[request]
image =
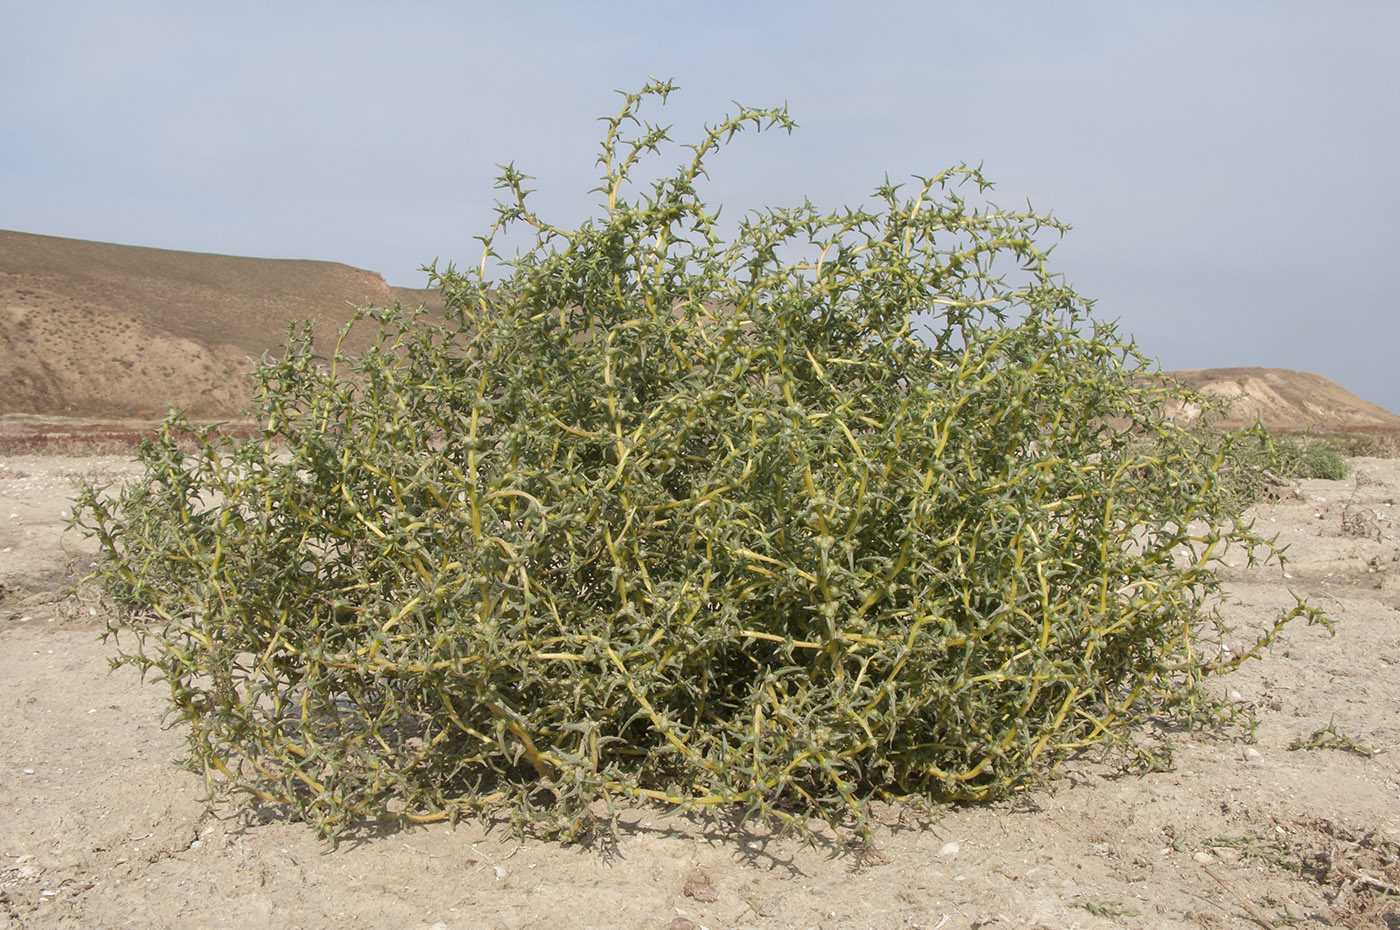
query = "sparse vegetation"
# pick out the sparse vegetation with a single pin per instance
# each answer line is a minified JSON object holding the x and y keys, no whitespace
{"x":1109,"y":909}
{"x":1329,"y":737}
{"x":1259,"y":459}
{"x":827,"y":511}
{"x":1356,"y":870}
{"x":1309,"y":457}
{"x":1358,"y":443}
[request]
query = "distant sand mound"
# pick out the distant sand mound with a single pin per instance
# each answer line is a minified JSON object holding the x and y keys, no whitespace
{"x":1284,"y":400}
{"x":93,"y":329}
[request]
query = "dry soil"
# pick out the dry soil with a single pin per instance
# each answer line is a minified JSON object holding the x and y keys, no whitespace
{"x":99,"y":829}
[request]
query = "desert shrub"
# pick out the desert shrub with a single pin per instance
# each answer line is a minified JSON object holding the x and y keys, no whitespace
{"x":825,"y":510}
{"x":1316,"y":460}
{"x":1298,"y":455}
{"x":1369,"y":443}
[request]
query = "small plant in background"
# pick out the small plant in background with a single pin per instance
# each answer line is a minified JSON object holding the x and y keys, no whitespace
{"x":1259,"y":462}
{"x":1305,"y":456}
{"x":1356,"y":443}
{"x":1329,"y":737}
{"x":825,"y":511}
{"x":1109,"y":909}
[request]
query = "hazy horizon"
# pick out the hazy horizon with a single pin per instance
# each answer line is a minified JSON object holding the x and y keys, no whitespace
{"x":1228,"y":168}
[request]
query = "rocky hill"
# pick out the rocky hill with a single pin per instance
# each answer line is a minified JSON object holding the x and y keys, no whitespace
{"x":1283,"y":400}
{"x":95,"y":330}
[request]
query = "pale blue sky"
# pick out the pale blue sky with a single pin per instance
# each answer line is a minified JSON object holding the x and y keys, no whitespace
{"x":1230,"y":168}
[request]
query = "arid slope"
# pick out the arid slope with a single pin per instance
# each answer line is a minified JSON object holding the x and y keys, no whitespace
{"x":1285,"y":400}
{"x":90,"y":329}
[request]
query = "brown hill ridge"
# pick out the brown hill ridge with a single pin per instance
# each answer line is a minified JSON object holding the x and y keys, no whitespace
{"x":92,"y":329}
{"x":1283,"y":400}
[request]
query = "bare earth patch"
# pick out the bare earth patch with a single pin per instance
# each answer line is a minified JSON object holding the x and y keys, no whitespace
{"x":99,"y":829}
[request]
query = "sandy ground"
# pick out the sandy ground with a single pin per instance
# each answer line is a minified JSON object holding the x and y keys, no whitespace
{"x":99,"y":829}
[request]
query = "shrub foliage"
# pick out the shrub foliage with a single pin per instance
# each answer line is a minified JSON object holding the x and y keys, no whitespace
{"x":841,"y":506}
{"x":1308,"y":457}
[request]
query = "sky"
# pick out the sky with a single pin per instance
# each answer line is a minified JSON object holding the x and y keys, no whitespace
{"x":1229,"y":167}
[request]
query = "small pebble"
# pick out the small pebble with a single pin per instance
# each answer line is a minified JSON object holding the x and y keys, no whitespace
{"x":949,"y":849}
{"x":1251,"y":754}
{"x":1204,"y":858}
{"x":29,"y":771}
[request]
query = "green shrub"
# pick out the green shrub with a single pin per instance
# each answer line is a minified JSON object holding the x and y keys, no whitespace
{"x":1289,"y":455}
{"x":826,"y":512}
{"x":1318,"y":461}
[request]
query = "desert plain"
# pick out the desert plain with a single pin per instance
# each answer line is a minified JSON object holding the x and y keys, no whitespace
{"x":98,"y":827}
{"x":1292,"y":821}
